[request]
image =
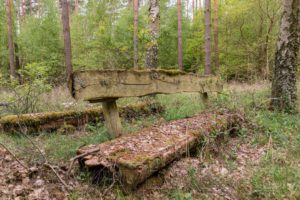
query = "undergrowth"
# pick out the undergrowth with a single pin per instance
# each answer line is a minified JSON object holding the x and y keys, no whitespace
{"x":276,"y":177}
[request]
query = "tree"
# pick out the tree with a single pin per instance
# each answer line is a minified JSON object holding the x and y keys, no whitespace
{"x":152,"y":46}
{"x":67,"y":37}
{"x":284,"y":89}
{"x":76,"y":7}
{"x":12,"y":65}
{"x":135,"y":34}
{"x":216,"y":36}
{"x":207,"y":35}
{"x":193,"y":9}
{"x":179,"y":35}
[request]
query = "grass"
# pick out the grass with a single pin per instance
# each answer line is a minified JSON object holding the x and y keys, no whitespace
{"x":277,"y":176}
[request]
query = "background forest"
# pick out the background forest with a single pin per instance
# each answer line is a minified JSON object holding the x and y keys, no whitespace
{"x":102,"y":32}
{"x":43,"y":124}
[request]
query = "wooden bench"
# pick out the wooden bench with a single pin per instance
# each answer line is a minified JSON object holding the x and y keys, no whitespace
{"x":107,"y":86}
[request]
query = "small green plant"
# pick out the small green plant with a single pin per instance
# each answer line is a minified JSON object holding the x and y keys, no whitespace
{"x":25,"y":97}
{"x":180,"y":195}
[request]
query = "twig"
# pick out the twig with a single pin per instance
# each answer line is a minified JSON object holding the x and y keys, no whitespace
{"x":57,"y":175}
{"x":46,"y":163}
{"x":80,"y":156}
{"x":15,"y":157}
{"x":107,"y":190}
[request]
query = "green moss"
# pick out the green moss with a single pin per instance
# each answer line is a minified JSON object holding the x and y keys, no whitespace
{"x":34,"y":121}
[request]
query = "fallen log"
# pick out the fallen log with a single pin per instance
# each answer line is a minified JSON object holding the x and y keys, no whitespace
{"x":51,"y":121}
{"x":133,"y":158}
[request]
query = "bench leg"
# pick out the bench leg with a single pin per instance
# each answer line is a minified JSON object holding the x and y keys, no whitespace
{"x":204,"y":98}
{"x":112,"y":118}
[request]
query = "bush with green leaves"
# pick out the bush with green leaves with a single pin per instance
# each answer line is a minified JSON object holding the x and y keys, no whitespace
{"x":25,"y":97}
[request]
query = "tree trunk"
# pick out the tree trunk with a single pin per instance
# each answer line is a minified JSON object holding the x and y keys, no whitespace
{"x":76,"y":7}
{"x":179,"y":16}
{"x":39,"y":8}
{"x":193,"y":8}
{"x":216,"y":36}
{"x":30,"y":7}
{"x":23,"y":5}
{"x":152,"y":46}
{"x":187,"y":8}
{"x":284,"y":89}
{"x":135,"y":35}
{"x":12,"y":66}
{"x":67,"y":37}
{"x":129,"y":3}
{"x":207,"y":44}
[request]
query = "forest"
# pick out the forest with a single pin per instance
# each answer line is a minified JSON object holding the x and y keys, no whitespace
{"x":149,"y":99}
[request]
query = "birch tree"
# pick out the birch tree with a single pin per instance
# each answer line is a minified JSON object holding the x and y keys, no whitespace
{"x":284,"y":89}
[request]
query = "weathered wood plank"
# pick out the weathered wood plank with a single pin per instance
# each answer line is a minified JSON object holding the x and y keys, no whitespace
{"x":100,"y":85}
{"x":135,"y":157}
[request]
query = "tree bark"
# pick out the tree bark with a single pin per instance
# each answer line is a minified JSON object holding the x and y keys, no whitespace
{"x":207,"y":44}
{"x":76,"y":7}
{"x":67,"y":37}
{"x":30,"y":7}
{"x":193,"y":8}
{"x":39,"y":7}
{"x":179,"y":16}
{"x":135,"y":34}
{"x":12,"y":66}
{"x":284,"y":89}
{"x":187,"y":8}
{"x":23,"y":5}
{"x":129,"y":4}
{"x":216,"y":36}
{"x":152,"y":46}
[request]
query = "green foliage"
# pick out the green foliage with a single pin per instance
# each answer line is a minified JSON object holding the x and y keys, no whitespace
{"x":179,"y":195}
{"x":40,"y":39}
{"x":25,"y":97}
{"x":180,"y":105}
{"x":102,"y":37}
{"x":3,"y":40}
{"x":278,"y":176}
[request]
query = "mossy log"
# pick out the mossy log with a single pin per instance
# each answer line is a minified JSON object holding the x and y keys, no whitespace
{"x":51,"y":121}
{"x":103,"y":85}
{"x":133,"y":158}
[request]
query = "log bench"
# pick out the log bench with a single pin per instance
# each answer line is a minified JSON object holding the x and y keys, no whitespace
{"x":131,"y":159}
{"x":107,"y":86}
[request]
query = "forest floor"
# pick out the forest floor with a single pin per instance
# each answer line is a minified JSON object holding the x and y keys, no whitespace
{"x":261,"y":162}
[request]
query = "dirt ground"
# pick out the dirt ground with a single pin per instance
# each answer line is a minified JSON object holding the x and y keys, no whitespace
{"x":216,"y":172}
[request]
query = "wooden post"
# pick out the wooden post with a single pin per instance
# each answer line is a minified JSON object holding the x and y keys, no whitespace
{"x":112,"y":118}
{"x":204,"y":98}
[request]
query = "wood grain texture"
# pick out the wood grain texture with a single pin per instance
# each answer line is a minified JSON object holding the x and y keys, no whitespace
{"x":135,"y":157}
{"x":102,"y":85}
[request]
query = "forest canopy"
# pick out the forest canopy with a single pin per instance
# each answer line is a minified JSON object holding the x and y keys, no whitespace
{"x":102,"y":31}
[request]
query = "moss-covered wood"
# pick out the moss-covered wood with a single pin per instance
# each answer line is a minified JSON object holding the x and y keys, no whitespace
{"x":100,"y":85}
{"x":133,"y":158}
{"x":50,"y":121}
